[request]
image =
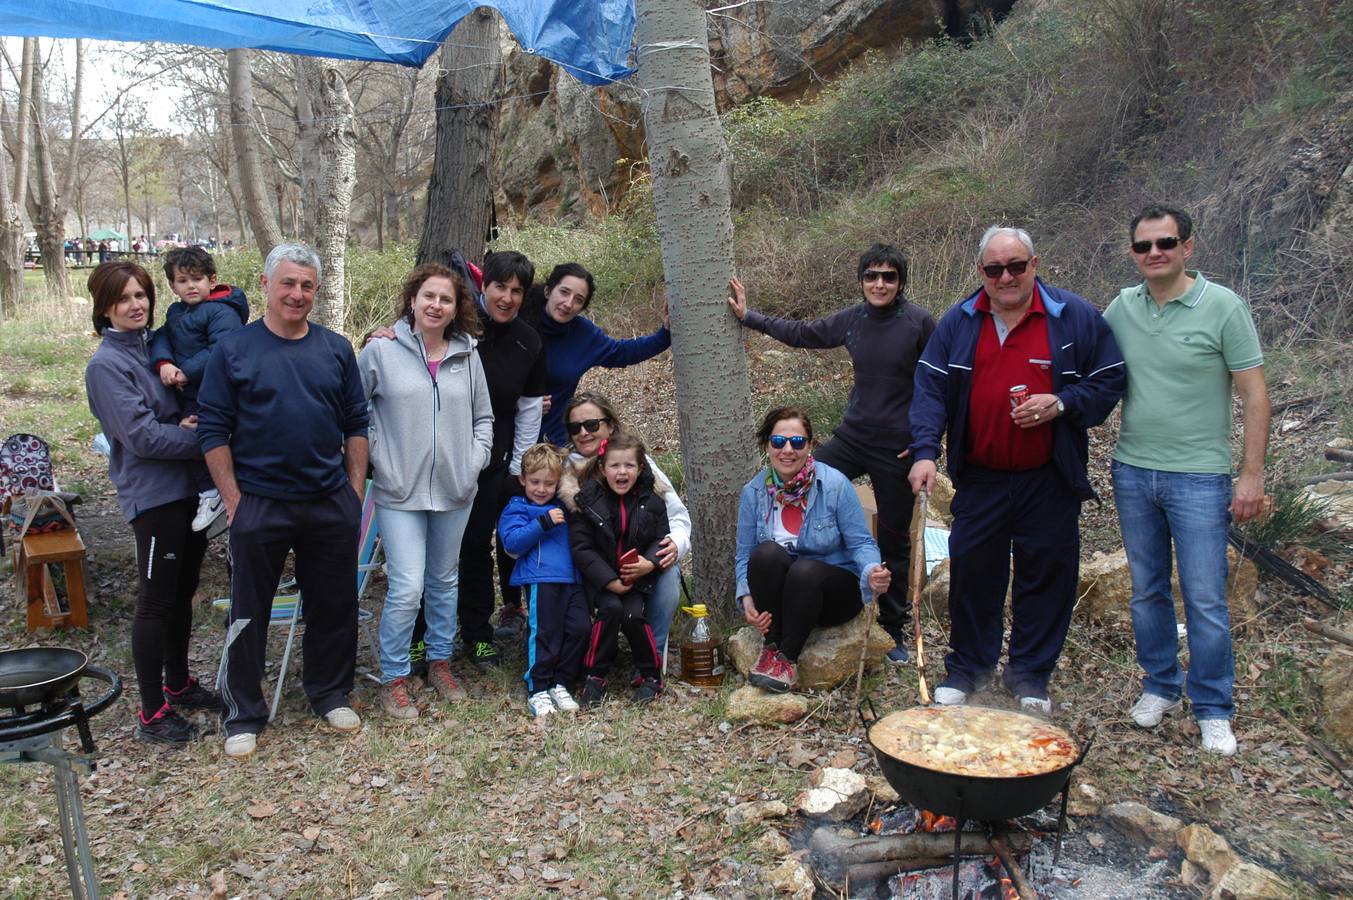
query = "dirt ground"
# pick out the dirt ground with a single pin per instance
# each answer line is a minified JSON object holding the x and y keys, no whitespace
{"x":477,"y":799}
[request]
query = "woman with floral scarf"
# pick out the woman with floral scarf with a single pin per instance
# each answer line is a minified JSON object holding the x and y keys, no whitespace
{"x":805,"y":558}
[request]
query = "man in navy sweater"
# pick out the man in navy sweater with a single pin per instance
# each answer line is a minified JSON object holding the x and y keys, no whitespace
{"x":1018,"y":467}
{"x":884,"y":336}
{"x":283,"y":424}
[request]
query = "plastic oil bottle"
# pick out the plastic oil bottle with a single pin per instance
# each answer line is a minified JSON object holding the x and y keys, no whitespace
{"x":702,"y":662}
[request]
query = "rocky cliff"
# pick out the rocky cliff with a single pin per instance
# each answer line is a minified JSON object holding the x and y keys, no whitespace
{"x":568,"y":150}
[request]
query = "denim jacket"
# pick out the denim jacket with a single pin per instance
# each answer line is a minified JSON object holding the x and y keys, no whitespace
{"x":834,"y":530}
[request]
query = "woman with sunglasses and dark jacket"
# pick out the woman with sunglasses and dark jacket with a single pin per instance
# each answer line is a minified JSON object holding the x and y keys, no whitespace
{"x":805,"y":558}
{"x":590,"y":419}
{"x":884,"y":336}
{"x":573,"y":344}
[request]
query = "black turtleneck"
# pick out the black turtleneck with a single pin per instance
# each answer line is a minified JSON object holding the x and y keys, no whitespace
{"x":884,"y":346}
{"x":514,"y":367}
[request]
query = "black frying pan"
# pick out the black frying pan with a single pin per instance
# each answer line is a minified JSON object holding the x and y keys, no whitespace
{"x":37,"y":675}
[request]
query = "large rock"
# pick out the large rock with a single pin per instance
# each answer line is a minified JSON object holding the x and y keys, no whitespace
{"x":935,"y":594}
{"x":1142,"y":824}
{"x":1337,"y":498}
{"x":752,"y":704}
{"x":937,"y":506}
{"x":836,"y":794}
{"x":1105,"y":587}
{"x":791,"y":878}
{"x":1246,"y":881}
{"x":1205,"y":848}
{"x":829,"y":658}
{"x":755,"y":811}
{"x":1336,"y":690}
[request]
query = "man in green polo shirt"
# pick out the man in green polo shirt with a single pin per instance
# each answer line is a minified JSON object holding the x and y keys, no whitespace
{"x":1186,"y":340}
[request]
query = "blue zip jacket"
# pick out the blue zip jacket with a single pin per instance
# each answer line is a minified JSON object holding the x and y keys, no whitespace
{"x":833,"y":531}
{"x":572,"y":349}
{"x":540,"y":547}
{"x":1087,"y":374}
{"x":190,"y":331}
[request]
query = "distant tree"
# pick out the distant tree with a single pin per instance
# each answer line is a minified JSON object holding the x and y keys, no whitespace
{"x":263,"y":224}
{"x":14,"y":194}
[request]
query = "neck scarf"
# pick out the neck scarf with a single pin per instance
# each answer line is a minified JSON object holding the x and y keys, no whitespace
{"x":793,"y":492}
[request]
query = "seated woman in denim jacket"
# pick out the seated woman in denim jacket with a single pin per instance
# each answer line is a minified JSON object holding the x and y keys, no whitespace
{"x":805,"y":557}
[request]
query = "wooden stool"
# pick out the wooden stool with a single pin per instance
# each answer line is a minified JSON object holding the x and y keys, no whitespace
{"x":35,"y":581}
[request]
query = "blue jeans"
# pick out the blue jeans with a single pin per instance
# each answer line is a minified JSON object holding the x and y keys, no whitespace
{"x":422,"y":554}
{"x":662,"y":605}
{"x":1156,"y":509}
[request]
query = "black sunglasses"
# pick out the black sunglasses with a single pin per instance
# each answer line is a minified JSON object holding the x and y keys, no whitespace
{"x":590,"y":424}
{"x":887,"y":276}
{"x":778,"y":441}
{"x":1163,"y":244}
{"x":1016,"y":268}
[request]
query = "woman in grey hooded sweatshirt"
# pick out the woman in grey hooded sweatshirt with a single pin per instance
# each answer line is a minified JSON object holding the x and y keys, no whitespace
{"x":431,"y":434}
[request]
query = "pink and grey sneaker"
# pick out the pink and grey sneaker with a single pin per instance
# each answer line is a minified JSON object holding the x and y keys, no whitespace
{"x":165,"y":727}
{"x":193,"y":696}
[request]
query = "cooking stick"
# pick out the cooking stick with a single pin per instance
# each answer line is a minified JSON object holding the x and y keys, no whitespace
{"x":864,"y":654}
{"x":918,"y":517}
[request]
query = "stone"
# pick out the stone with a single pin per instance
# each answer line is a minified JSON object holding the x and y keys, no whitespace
{"x":752,"y":704}
{"x":1242,"y":583}
{"x":1142,"y":824}
{"x":1336,"y":692}
{"x":935,"y":594}
{"x":836,"y":794}
{"x":884,"y":793}
{"x":829,"y":658}
{"x":790,"y":878}
{"x":937,"y":505}
{"x":1085,"y":800}
{"x":1193,"y":875}
{"x":1205,"y":848}
{"x":1337,"y":498}
{"x":1247,"y":881}
{"x":1105,"y":587}
{"x":755,"y":811}
{"x":773,"y":843}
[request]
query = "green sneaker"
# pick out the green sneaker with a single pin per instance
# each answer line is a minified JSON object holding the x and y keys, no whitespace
{"x":486,"y":655}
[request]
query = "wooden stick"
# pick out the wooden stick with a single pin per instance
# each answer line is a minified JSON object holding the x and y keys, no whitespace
{"x":1338,"y":455}
{"x":864,"y":653}
{"x":1328,"y":631}
{"x":1007,"y":855}
{"x":918,"y":517}
{"x":1332,"y":476}
{"x":829,"y":847}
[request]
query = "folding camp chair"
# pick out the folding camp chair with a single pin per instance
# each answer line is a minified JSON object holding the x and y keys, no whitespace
{"x":288,"y":609}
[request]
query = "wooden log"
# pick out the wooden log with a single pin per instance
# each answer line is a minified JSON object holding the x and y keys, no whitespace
{"x":1337,"y":454}
{"x":1007,"y":856}
{"x":1329,"y":476}
{"x":884,"y":869}
{"x":829,"y":847}
{"x":1328,"y":631}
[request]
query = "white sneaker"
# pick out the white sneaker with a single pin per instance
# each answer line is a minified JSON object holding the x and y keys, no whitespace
{"x":1041,"y":705}
{"x":238,"y":746}
{"x":343,"y":719}
{"x":210,"y":507}
{"x":947,"y":696}
{"x":563,"y":699}
{"x":1217,"y":736}
{"x":540,"y":704}
{"x":1151,"y":708}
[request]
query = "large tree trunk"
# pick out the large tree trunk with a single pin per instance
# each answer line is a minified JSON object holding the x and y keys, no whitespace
{"x":308,"y":71}
{"x":267,"y":234}
{"x":336,"y":148}
{"x":45,"y":208}
{"x":12,"y":201}
{"x":460,"y":192}
{"x":690,"y":161}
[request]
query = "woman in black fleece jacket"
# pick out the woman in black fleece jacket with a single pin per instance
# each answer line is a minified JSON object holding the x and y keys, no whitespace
{"x":619,"y":512}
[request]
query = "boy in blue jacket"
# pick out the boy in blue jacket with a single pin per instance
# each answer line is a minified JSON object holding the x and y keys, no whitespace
{"x":204,"y":313}
{"x":533,"y":531}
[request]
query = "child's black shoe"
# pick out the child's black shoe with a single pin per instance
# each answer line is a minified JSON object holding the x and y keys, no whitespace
{"x":646,"y":691}
{"x":594,"y":691}
{"x":165,"y":727}
{"x":193,"y":696}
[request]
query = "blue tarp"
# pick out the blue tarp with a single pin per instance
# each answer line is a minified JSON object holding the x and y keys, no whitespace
{"x":591,"y":40}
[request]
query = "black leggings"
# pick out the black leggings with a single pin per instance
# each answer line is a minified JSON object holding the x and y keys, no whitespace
{"x":800,"y":595}
{"x":168,"y":562}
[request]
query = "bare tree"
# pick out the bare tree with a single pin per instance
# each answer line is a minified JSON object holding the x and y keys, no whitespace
{"x":264,"y":225}
{"x":690,"y":163}
{"x":48,"y":204}
{"x":336,"y":149}
{"x":13,"y":199}
{"x":460,"y":193}
{"x":382,"y":142}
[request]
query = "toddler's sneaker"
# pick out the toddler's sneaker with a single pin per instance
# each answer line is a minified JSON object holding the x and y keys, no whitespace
{"x":594,"y":691}
{"x":210,"y":507}
{"x":563,"y":700}
{"x":646,"y":691}
{"x":540,"y":704}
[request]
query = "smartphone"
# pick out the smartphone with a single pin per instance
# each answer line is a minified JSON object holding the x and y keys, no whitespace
{"x":629,"y":556}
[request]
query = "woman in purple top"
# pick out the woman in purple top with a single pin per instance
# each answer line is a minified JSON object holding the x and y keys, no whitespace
{"x":156,"y":467}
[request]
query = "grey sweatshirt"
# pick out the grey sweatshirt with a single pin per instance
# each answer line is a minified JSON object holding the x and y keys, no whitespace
{"x":429,"y":437}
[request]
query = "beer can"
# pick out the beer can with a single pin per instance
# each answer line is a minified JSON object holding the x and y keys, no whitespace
{"x":1018,"y":394}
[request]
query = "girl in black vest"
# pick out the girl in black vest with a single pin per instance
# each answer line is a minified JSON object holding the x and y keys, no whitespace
{"x":616,"y":536}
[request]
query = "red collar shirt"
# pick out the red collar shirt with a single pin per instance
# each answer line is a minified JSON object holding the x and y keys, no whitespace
{"x":1003,"y":360}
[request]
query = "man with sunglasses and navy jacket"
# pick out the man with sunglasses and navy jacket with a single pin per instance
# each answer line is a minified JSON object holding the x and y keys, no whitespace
{"x":1189,"y":340}
{"x":884,"y":336}
{"x":1016,"y":374}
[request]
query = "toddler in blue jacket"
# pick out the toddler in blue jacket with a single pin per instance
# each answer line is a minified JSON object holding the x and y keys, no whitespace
{"x":533,"y":530}
{"x":204,"y":312}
